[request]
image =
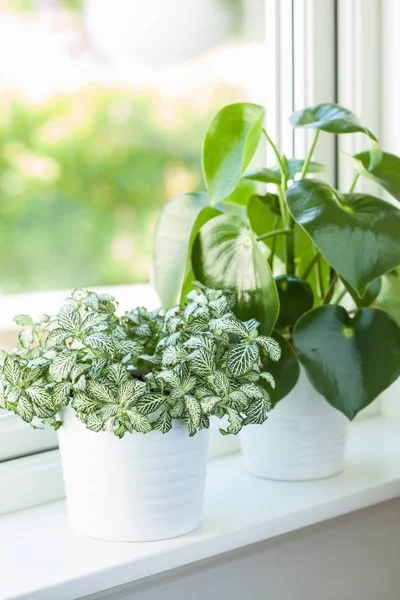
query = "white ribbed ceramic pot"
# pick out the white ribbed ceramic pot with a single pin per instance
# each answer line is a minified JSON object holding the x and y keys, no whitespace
{"x":140,"y":488}
{"x":303,"y":438}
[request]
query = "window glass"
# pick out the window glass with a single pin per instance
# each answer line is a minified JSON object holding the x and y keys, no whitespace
{"x":103,"y":108}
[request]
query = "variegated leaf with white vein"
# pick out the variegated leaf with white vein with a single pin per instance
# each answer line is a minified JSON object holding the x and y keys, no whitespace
{"x":194,"y":410}
{"x":140,"y":423}
{"x":12,"y":371}
{"x":69,"y":319}
{"x":100,"y":391}
{"x":149,"y":403}
{"x":269,"y":378}
{"x":163,"y":423}
{"x":100,"y":341}
{"x":208,"y":403}
{"x":241,"y":358}
{"x":62,"y":365}
{"x":257,"y":411}
{"x":231,"y":326}
{"x":270,"y":346}
{"x":235,"y":422}
{"x":25,"y":408}
{"x":61,"y":392}
{"x":57,"y":337}
{"x":202,"y":362}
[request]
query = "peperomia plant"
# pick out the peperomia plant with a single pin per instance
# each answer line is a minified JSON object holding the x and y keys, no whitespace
{"x":292,"y":251}
{"x":141,"y":371}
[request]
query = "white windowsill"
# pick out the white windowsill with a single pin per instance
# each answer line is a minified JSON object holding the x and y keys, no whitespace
{"x":58,"y":563}
{"x":49,"y":302}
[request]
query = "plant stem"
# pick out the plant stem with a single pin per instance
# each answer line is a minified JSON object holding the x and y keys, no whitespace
{"x":290,"y":263}
{"x":276,"y":152}
{"x":341,"y":295}
{"x":273,"y":247}
{"x":320,"y":278}
{"x":287,"y":220}
{"x":306,"y":163}
{"x":331,"y":289}
{"x":310,"y":265}
{"x":282,"y":187}
{"x":264,"y":236}
{"x":353,"y":185}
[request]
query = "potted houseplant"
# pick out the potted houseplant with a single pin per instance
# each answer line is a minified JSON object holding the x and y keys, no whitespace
{"x":291,"y":252}
{"x":103,"y":381}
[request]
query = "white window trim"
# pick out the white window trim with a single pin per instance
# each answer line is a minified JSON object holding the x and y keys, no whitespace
{"x":18,"y":439}
{"x":300,"y":39}
{"x":359,"y":77}
{"x":301,"y":70}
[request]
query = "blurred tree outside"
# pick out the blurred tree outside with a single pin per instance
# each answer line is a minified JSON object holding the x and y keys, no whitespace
{"x":86,"y":166}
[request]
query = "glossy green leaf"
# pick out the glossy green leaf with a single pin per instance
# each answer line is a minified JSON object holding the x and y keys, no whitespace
{"x":179,"y":221}
{"x":389,"y":297}
{"x":371,"y":293}
{"x":273,"y":174}
{"x":350,"y":361}
{"x":295,"y":298}
{"x":386,"y":174}
{"x":336,"y":119}
{"x":226,"y":255}
{"x":264,"y":175}
{"x":262,"y":214}
{"x":331,"y":118}
{"x":358,"y":234}
{"x":241,"y":194}
{"x":229,"y":146}
{"x":295,"y":166}
{"x":285,"y":371}
{"x":271,"y":202}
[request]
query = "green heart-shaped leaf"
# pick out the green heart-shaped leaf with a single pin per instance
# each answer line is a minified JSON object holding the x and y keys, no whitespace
{"x":264,"y":175}
{"x":295,"y":298}
{"x":273,"y":174}
{"x":295,"y":166}
{"x":285,"y":371}
{"x":386,"y":174}
{"x":358,"y":234}
{"x":350,"y":361}
{"x":371,"y":293}
{"x":226,"y":255}
{"x":336,"y":119}
{"x":331,"y":118}
{"x":179,"y":222}
{"x":389,"y":297}
{"x":229,"y":146}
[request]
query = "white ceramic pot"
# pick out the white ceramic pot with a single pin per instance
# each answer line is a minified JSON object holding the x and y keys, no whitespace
{"x":391,"y":400}
{"x":140,"y":488}
{"x":303,"y":438}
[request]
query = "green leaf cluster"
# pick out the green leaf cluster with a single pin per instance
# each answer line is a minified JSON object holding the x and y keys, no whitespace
{"x":292,"y":249}
{"x":140,"y":371}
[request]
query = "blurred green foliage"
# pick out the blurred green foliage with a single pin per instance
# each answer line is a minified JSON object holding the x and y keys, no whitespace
{"x":83,"y":178}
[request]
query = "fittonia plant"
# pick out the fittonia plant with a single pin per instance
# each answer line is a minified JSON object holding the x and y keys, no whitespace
{"x":141,"y":371}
